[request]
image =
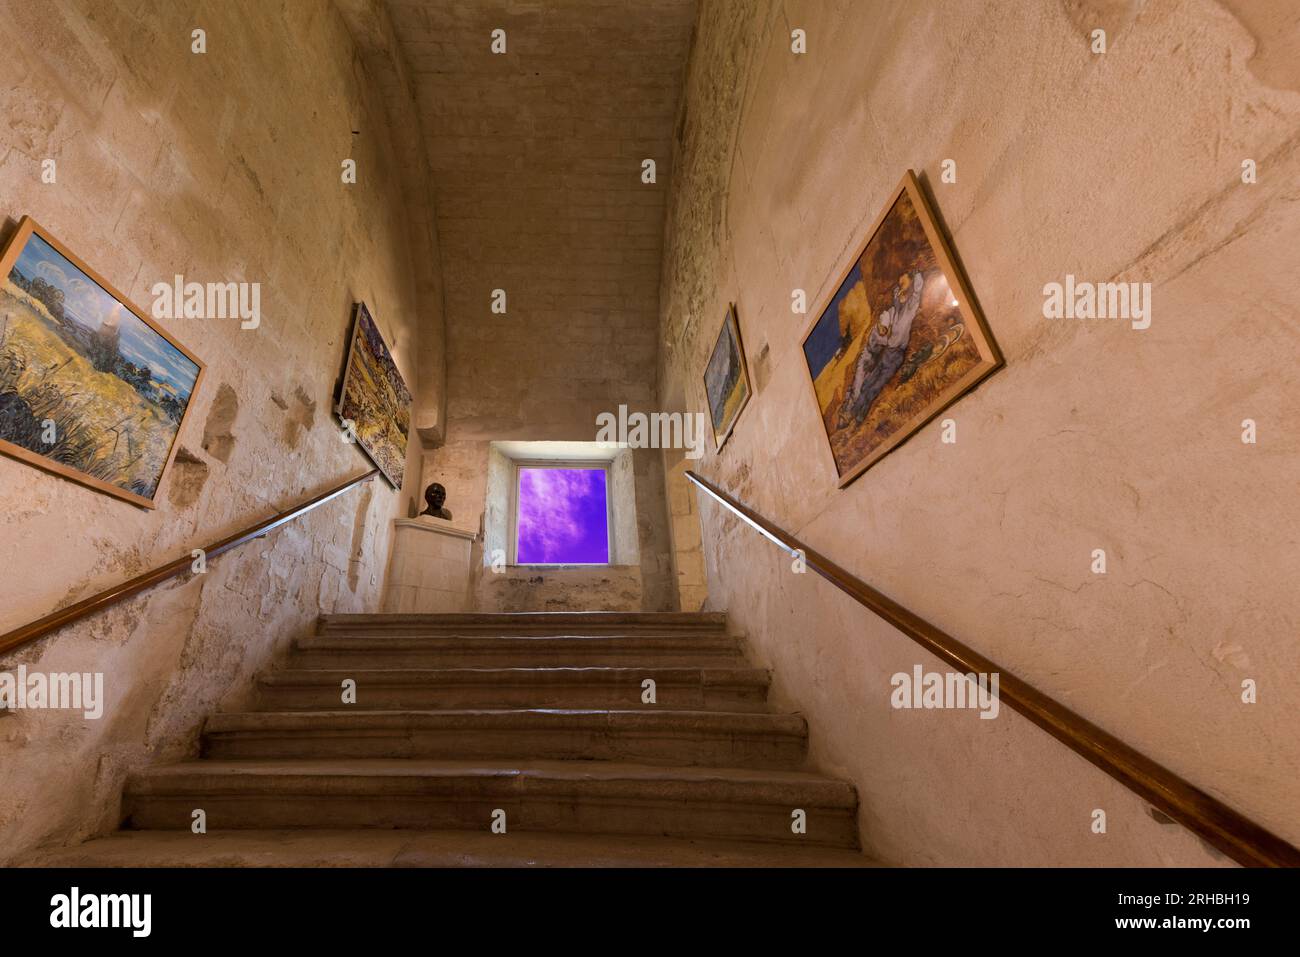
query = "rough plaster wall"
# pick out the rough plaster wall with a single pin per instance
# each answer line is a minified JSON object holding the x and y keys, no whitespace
{"x":622,"y":495}
{"x":654,"y":537}
{"x":1121,"y":166}
{"x":372,"y":30}
{"x":536,"y":157}
{"x":495,"y":527}
{"x":688,"y":545}
{"x":561,"y":588}
{"x":221,"y":167}
{"x":467,"y":469}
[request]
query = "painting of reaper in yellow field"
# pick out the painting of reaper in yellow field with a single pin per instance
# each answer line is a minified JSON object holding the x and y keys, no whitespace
{"x":900,"y":339}
{"x":374,"y":403}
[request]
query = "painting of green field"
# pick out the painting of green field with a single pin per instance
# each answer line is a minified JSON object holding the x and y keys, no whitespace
{"x":375,"y":403}
{"x":88,"y":388}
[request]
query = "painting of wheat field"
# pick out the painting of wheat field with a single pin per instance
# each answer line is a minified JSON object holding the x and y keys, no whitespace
{"x":375,"y":403}
{"x":900,"y":339}
{"x":90,"y":388}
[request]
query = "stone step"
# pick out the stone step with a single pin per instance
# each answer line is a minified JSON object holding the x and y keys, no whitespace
{"x":373,"y":847}
{"x":548,"y":796}
{"x":676,"y":688}
{"x":466,"y":651}
{"x":701,"y":738}
{"x":508,"y":624}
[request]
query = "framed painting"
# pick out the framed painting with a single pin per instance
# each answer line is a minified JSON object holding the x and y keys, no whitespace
{"x":374,"y":398}
{"x":726,"y":379}
{"x":899,"y":340}
{"x":91,"y":388}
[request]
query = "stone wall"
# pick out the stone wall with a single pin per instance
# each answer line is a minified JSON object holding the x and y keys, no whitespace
{"x":560,"y":588}
{"x":499,"y":587}
{"x":428,"y":568}
{"x":537,"y":159}
{"x":221,"y":166}
{"x":1127,"y":166}
{"x":688,"y":544}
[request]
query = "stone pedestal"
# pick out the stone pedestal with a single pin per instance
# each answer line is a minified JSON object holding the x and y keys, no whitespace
{"x":429,"y":567}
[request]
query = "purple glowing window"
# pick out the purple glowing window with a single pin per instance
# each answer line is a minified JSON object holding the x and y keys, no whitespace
{"x":562,"y":516}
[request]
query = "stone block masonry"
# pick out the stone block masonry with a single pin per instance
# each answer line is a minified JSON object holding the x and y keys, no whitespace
{"x":223,"y":166}
{"x":536,"y":162}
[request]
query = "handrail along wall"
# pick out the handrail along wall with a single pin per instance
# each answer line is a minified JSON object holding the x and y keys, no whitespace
{"x":105,"y":599}
{"x":1219,"y":825}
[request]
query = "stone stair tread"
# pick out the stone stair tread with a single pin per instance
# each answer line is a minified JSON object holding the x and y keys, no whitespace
{"x":549,"y":619}
{"x":454,"y":651}
{"x":371,"y":642}
{"x":552,"y":796}
{"x":519,"y":623}
{"x":729,"y":721}
{"x":741,"y":688}
{"x":155,"y":780}
{"x":740,"y":675}
{"x":542,"y":716}
{"x":305,"y":847}
{"x":659,"y":735}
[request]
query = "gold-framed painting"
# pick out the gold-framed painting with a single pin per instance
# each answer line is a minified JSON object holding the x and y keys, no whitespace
{"x":91,"y":388}
{"x":374,"y":403}
{"x":899,"y":339}
{"x":726,"y":379}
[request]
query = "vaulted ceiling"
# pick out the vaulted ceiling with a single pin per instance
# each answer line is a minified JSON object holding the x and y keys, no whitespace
{"x":535,"y":158}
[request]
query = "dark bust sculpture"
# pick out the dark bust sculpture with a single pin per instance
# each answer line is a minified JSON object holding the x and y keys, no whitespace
{"x":434,"y":496}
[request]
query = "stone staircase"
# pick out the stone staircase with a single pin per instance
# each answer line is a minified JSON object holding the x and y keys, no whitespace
{"x":460,"y":717}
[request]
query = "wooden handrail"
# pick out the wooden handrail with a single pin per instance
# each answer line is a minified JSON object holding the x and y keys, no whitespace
{"x":89,"y":606}
{"x":1219,"y":825}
